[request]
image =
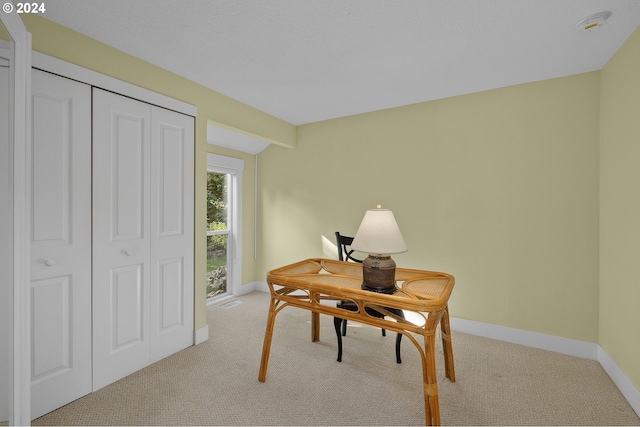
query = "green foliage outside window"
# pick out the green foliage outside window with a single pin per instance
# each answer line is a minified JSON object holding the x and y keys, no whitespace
{"x":216,"y":195}
{"x":215,"y":243}
{"x":216,"y":210}
{"x":217,"y":214}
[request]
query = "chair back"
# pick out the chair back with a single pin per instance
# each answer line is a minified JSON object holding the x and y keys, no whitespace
{"x":344,"y":248}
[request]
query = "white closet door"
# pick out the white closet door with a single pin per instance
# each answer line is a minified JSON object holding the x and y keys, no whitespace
{"x":172,"y":232}
{"x":143,"y":235}
{"x":121,"y":236}
{"x":61,"y":242}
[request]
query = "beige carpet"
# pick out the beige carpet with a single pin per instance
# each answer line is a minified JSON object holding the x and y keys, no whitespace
{"x":216,"y":383}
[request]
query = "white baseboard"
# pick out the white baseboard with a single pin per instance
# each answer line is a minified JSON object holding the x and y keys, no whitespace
{"x":260,"y":286}
{"x":201,"y":335}
{"x":552,"y":343}
{"x":568,"y":346}
{"x":618,"y":377}
{"x":237,"y":291}
{"x":252,"y":286}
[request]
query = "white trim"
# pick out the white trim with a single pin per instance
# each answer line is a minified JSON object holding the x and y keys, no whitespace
{"x":93,"y":78}
{"x":23,"y":58}
{"x":261,"y":287}
{"x":234,"y":167}
{"x":245,"y":288}
{"x":219,"y":300}
{"x":252,"y":286}
{"x":20,"y":406}
{"x":201,"y":335}
{"x":560,"y":345}
{"x":225,"y":162}
{"x":618,"y":377}
{"x":531,"y":339}
{"x":255,"y":209}
{"x":236,"y":139}
{"x":217,"y":232}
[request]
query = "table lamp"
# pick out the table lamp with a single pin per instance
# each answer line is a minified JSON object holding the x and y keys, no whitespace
{"x":379,"y":236}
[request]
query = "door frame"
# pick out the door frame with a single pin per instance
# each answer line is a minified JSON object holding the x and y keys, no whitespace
{"x":20,"y":405}
{"x":93,"y":78}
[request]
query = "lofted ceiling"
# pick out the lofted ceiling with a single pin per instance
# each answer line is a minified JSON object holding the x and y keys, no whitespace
{"x":307,"y":61}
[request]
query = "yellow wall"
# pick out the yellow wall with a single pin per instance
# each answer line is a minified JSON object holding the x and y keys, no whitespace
{"x":60,"y":42}
{"x":620,"y":208}
{"x":499,"y":188}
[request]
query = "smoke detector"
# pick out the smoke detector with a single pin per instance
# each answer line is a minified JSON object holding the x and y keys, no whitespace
{"x":593,"y":22}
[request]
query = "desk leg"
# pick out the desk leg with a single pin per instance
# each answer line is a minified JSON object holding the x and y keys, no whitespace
{"x":266,"y":346}
{"x":445,"y":327}
{"x":430,"y":384}
{"x":315,"y":326}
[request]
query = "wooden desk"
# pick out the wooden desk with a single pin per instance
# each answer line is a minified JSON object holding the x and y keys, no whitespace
{"x":306,"y":283}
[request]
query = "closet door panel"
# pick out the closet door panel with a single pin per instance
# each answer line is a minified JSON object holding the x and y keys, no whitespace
{"x":170,"y":289}
{"x":51,"y":300}
{"x":121,"y":236}
{"x":127,"y":174}
{"x":60,"y":241}
{"x":172,"y":232}
{"x":126,"y":321}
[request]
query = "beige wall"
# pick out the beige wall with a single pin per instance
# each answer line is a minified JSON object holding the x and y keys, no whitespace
{"x":620,"y":208}
{"x":62,"y":43}
{"x":499,"y":188}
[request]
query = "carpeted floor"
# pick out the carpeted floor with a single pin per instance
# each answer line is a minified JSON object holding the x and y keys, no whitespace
{"x":216,"y":383}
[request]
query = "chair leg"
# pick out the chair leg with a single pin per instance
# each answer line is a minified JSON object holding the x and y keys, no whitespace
{"x":341,"y":330}
{"x":398,"y":340}
{"x":337,"y":323}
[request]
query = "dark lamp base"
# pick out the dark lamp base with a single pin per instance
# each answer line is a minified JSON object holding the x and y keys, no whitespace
{"x":379,"y":274}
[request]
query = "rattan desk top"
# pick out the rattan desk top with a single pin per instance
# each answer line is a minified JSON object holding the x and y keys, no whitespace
{"x":416,"y":290}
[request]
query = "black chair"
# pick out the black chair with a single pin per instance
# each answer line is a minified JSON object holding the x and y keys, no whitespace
{"x":345,"y":254}
{"x":344,"y":248}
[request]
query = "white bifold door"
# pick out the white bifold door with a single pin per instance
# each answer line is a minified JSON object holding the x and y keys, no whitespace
{"x":142,"y":236}
{"x":60,"y":242}
{"x":112,"y":238}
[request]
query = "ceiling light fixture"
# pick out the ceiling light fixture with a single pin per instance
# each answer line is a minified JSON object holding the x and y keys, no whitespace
{"x":593,"y":22}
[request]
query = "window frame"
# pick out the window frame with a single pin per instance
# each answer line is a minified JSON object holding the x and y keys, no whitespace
{"x":234,"y":168}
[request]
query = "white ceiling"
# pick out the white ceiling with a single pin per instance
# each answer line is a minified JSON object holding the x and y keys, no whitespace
{"x":307,"y":61}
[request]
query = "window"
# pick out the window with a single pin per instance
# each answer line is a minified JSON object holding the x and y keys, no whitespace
{"x":218,"y":224}
{"x":224,"y":213}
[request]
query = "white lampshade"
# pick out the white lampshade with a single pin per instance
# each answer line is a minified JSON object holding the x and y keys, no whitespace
{"x":379,"y":234}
